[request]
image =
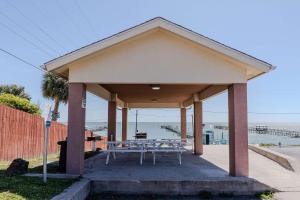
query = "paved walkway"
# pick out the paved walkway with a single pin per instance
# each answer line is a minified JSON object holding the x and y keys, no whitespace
{"x":264,"y":170}
{"x":293,"y":151}
{"x":261,"y":168}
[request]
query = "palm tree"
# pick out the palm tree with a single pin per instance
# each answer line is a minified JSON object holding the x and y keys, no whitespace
{"x":55,"y":88}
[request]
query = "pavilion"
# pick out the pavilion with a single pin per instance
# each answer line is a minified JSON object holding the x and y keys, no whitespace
{"x":158,"y":64}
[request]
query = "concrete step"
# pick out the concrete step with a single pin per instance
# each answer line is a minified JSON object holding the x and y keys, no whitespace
{"x":238,"y":186}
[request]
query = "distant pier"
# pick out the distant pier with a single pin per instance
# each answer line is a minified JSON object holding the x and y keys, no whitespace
{"x":174,"y":130}
{"x":96,"y":129}
{"x":266,"y":130}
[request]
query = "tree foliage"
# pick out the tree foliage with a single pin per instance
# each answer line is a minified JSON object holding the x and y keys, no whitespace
{"x":14,"y":90}
{"x":55,"y":88}
{"x":19,"y":103}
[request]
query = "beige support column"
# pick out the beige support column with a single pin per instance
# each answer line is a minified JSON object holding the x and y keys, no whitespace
{"x":112,"y":120}
{"x":124,"y":123}
{"x":238,"y":130}
{"x":76,"y":128}
{"x":198,"y":142}
{"x":183,"y":123}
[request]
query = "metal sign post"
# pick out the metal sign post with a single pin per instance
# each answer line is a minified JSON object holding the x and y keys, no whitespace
{"x":45,"y":151}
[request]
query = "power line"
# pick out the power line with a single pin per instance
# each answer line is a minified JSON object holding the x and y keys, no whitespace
{"x":70,"y":18}
{"x":36,"y":25}
{"x":85,"y":17}
{"x":258,"y":113}
{"x":22,"y":60}
{"x":27,"y":31}
{"x":37,"y":7}
{"x":28,"y":63}
{"x":274,"y":113}
{"x":19,"y":35}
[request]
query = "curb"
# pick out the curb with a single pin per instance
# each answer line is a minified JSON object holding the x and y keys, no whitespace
{"x":281,"y":159}
{"x":79,"y":190}
{"x":237,"y":186}
{"x":53,"y":175}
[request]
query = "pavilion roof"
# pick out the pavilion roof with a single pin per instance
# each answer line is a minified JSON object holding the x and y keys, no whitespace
{"x":158,"y":22}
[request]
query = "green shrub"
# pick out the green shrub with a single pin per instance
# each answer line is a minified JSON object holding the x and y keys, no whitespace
{"x":19,"y":103}
{"x":265,"y":195}
{"x":267,"y":144}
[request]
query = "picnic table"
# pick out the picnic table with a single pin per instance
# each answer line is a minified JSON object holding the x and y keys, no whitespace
{"x":143,"y":146}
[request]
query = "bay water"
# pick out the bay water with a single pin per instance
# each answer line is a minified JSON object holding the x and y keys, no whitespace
{"x":154,"y":131}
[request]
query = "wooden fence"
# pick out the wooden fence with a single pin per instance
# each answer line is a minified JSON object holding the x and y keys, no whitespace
{"x":21,"y":135}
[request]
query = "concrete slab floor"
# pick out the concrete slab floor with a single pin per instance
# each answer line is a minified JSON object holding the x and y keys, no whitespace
{"x":212,"y":165}
{"x":127,"y":167}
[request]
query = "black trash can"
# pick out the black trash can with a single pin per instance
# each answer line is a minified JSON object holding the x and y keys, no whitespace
{"x":62,"y":155}
{"x":206,"y":138}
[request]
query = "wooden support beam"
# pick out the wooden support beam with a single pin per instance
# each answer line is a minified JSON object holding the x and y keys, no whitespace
{"x":153,"y":105}
{"x":99,"y":91}
{"x":204,"y":94}
{"x":120,"y":103}
{"x":212,"y":91}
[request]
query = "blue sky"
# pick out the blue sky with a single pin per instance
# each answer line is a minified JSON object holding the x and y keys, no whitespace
{"x":38,"y":31}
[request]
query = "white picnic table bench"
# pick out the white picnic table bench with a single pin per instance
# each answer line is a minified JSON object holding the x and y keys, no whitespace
{"x":143,"y":146}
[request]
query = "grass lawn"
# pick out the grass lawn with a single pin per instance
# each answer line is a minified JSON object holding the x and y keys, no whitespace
{"x":52,"y":167}
{"x":19,"y":187}
{"x":267,"y":145}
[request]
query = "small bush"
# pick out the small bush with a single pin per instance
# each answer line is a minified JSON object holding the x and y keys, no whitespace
{"x":267,"y":145}
{"x":265,"y":195}
{"x":19,"y":103}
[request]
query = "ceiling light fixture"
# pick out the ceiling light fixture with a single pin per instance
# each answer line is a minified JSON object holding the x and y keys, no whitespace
{"x":155,"y":87}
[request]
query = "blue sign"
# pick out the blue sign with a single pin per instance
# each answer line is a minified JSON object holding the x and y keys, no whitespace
{"x":48,"y":124}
